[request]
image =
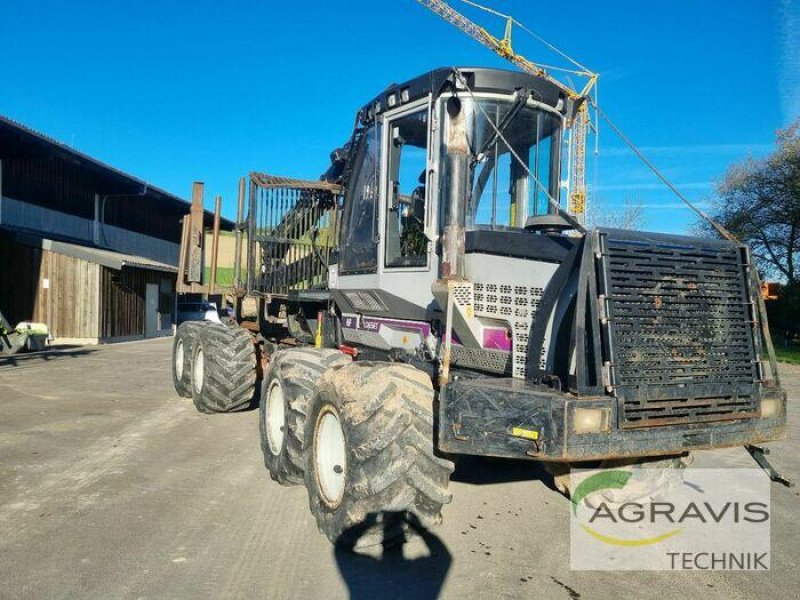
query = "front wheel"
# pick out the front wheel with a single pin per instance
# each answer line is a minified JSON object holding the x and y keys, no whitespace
{"x":285,"y":394}
{"x":370,"y":463}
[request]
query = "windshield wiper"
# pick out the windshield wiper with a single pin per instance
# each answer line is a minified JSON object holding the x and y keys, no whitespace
{"x":520,"y":101}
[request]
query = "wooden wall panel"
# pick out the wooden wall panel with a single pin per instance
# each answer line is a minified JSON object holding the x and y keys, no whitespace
{"x":82,"y":300}
{"x":68,"y":305}
{"x":122,"y":300}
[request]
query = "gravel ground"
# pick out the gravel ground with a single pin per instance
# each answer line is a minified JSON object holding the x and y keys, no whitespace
{"x":113,"y":487}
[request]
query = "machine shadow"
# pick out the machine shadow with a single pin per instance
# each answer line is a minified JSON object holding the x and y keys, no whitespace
{"x":256,"y":399}
{"x":61,"y":353}
{"x":383,"y":571}
{"x":483,"y":470}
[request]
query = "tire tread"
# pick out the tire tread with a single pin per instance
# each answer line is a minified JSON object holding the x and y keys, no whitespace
{"x":230,"y":370}
{"x":387,"y":414}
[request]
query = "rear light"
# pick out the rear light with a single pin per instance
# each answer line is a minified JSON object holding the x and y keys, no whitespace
{"x":349,"y":350}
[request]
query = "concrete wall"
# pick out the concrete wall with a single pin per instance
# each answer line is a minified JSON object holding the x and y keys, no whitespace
{"x":14,"y":213}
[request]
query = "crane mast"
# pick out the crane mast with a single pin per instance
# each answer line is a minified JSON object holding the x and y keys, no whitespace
{"x":502,"y":47}
{"x":577,"y":185}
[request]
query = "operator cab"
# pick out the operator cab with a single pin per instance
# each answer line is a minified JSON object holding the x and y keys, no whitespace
{"x":514,"y":125}
{"x":398,"y":179}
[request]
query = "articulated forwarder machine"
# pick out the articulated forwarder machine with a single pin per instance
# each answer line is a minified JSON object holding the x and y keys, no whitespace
{"x":428,"y":297}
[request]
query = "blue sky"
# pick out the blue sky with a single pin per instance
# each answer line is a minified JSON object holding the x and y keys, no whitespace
{"x":173,"y":92}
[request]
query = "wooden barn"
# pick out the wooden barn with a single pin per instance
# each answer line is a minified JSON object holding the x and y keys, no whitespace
{"x":84,"y":247}
{"x":85,"y":295}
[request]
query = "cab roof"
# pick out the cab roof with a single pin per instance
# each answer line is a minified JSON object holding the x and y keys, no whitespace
{"x":479,"y":79}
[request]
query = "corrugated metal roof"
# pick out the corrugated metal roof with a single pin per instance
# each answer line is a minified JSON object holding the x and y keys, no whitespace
{"x":101,"y":256}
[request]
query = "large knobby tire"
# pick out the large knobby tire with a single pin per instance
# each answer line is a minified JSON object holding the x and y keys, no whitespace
{"x":370,"y":461}
{"x":285,"y":394}
{"x":223,"y":369}
{"x":182,"y":347}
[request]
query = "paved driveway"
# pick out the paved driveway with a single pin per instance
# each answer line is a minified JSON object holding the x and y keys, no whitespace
{"x":113,"y":487}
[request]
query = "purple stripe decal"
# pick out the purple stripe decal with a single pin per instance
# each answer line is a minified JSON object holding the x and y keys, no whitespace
{"x":496,"y":339}
{"x":373,"y":324}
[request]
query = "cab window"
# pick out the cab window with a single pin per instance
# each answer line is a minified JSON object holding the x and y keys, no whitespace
{"x":359,"y":251}
{"x":405,"y":241}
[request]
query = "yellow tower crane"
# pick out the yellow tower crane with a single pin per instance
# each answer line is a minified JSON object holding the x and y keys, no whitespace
{"x":502,"y":47}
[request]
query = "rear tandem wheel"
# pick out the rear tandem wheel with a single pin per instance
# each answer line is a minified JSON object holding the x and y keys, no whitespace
{"x":223,"y":369}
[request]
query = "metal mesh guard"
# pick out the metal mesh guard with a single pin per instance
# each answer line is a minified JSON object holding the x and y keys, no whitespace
{"x":516,"y":304}
{"x":681,"y":330}
{"x":293,"y":232}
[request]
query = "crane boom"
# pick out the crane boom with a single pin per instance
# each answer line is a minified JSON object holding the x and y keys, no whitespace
{"x":501,"y":47}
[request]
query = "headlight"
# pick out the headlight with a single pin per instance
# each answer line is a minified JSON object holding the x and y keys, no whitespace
{"x":589,"y":420}
{"x":771,"y":408}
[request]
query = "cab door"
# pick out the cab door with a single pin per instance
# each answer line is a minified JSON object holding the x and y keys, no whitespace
{"x":406,"y":200}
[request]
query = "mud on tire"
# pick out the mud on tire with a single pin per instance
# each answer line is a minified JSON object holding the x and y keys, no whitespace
{"x":223,"y":369}
{"x":182,"y":347}
{"x":285,"y":395}
{"x":390,"y":470}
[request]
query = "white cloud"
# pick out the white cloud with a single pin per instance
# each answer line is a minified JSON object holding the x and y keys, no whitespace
{"x":632,"y":187}
{"x":789,"y":67}
{"x":694,"y":150}
{"x":701,"y":204}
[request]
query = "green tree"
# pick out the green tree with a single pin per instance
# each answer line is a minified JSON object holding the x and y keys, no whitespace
{"x":758,"y":200}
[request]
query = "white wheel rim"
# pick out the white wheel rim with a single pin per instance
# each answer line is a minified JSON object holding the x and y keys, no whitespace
{"x":330,"y":456}
{"x":275,"y":417}
{"x":179,"y":359}
{"x":199,"y":370}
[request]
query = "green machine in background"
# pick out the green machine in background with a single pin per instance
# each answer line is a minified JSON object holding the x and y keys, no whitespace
{"x":27,"y":335}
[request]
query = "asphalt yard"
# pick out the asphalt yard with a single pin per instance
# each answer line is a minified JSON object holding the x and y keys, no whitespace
{"x":111,"y":486}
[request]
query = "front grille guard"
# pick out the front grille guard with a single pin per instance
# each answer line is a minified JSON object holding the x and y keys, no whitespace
{"x":673,"y":327}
